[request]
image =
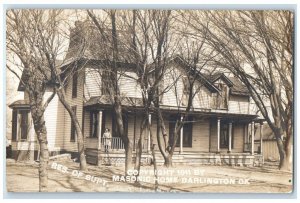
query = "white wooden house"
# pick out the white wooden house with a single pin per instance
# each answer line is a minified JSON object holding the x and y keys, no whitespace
{"x":219,"y":128}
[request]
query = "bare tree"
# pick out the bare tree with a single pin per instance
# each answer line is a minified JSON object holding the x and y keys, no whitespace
{"x":191,"y":60}
{"x":38,"y":43}
{"x":112,"y":54}
{"x":22,"y":42}
{"x":257,"y":46}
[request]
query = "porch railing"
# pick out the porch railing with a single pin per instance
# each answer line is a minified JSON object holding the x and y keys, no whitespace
{"x":116,"y":144}
{"x":247,"y":146}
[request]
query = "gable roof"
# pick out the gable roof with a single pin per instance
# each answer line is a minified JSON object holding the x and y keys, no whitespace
{"x":236,"y":86}
{"x":214,"y":77}
{"x":179,"y":60}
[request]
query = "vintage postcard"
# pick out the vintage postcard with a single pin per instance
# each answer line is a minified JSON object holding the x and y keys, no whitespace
{"x":155,"y":101}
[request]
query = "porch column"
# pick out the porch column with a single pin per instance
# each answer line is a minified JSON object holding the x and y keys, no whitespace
{"x":149,"y":133}
{"x":252,"y":137}
{"x":261,"y":137}
{"x":99,"y":129}
{"x":230,"y":137}
{"x":218,"y":135}
{"x":181,"y":137}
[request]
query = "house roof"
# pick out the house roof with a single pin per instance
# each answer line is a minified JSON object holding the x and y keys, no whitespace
{"x":24,"y":77}
{"x":19,"y":104}
{"x":201,"y":77}
{"x":214,"y":77}
{"x":238,"y":87}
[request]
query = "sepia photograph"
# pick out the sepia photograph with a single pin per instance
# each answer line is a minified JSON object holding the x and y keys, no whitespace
{"x":149,"y":100}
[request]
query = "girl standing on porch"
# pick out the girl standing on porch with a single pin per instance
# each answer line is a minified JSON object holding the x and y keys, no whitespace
{"x":107,"y":142}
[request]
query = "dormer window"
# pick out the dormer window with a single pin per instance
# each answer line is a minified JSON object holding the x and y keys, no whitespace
{"x":222,"y":97}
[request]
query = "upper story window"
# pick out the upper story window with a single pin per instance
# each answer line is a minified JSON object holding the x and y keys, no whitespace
{"x":105,"y":81}
{"x":185,"y":91}
{"x":74,"y":84}
{"x":222,"y":97}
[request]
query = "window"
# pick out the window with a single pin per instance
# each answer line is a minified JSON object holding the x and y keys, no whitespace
{"x":20,"y":124}
{"x":94,"y":124}
{"x":14,"y":125}
{"x":224,"y":136}
{"x":74,"y":84}
{"x":222,"y":98}
{"x":73,"y":126}
{"x":105,"y":81}
{"x":24,"y":125}
{"x":185,"y":91}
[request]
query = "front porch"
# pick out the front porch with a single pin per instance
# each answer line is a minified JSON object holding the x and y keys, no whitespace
{"x":205,"y":139}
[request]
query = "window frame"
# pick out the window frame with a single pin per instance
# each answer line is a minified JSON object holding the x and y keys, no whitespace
{"x":226,"y":145}
{"x":94,"y":126}
{"x":74,"y":84}
{"x":73,"y":131}
{"x":222,"y":98}
{"x":14,"y":133}
{"x":105,"y":82}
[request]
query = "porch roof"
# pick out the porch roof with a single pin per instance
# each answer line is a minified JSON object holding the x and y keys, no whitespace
{"x":19,"y":104}
{"x":212,"y":113}
{"x":104,"y":102}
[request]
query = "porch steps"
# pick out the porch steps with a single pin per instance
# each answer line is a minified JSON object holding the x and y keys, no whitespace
{"x":189,"y":158}
{"x":209,"y":158}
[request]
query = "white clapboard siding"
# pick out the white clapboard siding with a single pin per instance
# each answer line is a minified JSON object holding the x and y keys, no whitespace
{"x":173,"y":86}
{"x":127,"y":82}
{"x":54,"y":118}
{"x":203,"y":98}
{"x":128,"y":85}
{"x":78,"y":102}
{"x":92,"y":82}
{"x":239,"y":104}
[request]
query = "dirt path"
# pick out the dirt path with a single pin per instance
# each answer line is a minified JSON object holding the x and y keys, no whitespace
{"x":65,"y":177}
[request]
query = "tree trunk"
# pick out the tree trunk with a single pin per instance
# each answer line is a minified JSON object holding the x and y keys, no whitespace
{"x":41,"y":131}
{"x":153,"y":156}
{"x":128,"y":156}
{"x":283,"y":162}
{"x":168,"y":161}
{"x":80,"y":142}
{"x":139,"y":149}
{"x":120,"y":126}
